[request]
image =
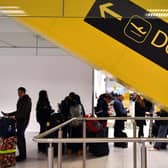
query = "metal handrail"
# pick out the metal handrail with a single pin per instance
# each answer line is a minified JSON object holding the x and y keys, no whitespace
{"x":41,"y":139}
{"x":100,"y":140}
{"x":44,"y":134}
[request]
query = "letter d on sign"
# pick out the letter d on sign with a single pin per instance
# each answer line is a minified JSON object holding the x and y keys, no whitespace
{"x":160,"y":33}
{"x":166,"y":49}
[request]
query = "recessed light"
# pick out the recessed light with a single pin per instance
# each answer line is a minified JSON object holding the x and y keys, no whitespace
{"x":12,"y":11}
{"x":9,"y":7}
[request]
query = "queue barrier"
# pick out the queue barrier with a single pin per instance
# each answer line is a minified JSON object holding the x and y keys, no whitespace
{"x":40,"y":139}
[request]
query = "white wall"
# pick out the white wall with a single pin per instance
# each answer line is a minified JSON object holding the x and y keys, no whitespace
{"x":99,"y":84}
{"x":58,"y":75}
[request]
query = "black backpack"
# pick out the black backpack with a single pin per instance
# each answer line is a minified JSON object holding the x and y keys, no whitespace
{"x":7,"y":127}
{"x":76,"y":112}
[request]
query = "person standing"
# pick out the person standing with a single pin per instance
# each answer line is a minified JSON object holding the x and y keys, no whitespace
{"x":140,"y":110}
{"x":43,"y":112}
{"x":163,"y":131}
{"x":119,"y":124}
{"x":102,"y":109}
{"x":76,"y":110}
{"x":22,"y":116}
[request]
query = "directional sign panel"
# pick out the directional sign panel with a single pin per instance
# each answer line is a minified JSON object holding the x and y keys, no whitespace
{"x":126,"y":38}
{"x":132,"y":26}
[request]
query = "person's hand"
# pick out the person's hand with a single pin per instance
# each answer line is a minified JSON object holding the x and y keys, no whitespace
{"x":4,"y":114}
{"x":148,"y":113}
{"x":127,"y":110}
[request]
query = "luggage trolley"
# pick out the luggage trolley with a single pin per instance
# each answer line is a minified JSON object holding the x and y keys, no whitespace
{"x":7,"y":142}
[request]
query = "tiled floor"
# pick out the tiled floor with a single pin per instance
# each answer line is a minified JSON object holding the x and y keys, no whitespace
{"x":118,"y":158}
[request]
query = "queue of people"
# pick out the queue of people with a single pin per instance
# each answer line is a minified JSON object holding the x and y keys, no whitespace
{"x":70,"y":107}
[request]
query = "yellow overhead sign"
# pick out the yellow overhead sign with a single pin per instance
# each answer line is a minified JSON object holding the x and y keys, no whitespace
{"x":128,"y":38}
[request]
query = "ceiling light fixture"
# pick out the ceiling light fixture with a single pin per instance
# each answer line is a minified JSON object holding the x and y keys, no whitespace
{"x":9,"y":7}
{"x":12,"y":11}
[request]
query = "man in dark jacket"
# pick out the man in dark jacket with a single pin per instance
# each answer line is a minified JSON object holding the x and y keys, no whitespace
{"x":119,"y":124}
{"x":163,"y":130}
{"x":22,"y":116}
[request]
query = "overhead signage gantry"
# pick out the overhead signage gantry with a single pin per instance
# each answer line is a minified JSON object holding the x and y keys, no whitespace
{"x":128,"y":38}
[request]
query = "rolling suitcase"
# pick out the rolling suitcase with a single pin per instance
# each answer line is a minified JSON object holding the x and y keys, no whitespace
{"x":7,"y":152}
{"x":98,"y":149}
{"x":7,"y":142}
{"x":55,"y":120}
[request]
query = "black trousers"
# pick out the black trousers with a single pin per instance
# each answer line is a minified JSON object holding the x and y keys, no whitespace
{"x":41,"y":146}
{"x":141,"y":131}
{"x":118,"y":128}
{"x":75,"y":132}
{"x":21,"y":141}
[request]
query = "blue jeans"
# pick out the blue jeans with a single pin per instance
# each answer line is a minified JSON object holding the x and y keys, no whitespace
{"x":163,"y":129}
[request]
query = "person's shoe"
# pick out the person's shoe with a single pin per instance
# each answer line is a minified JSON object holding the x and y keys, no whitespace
{"x":156,"y":148}
{"x":20,"y":159}
{"x":121,"y":145}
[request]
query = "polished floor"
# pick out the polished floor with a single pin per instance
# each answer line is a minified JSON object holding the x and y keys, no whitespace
{"x":118,"y":158}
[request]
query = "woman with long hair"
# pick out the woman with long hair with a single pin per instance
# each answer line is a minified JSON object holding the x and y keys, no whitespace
{"x":140,"y":111}
{"x":43,"y":112}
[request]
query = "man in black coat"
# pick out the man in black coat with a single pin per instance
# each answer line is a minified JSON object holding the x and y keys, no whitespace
{"x":163,"y":130}
{"x":22,"y":116}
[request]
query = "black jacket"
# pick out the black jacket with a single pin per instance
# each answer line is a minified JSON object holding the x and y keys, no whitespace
{"x":43,"y":112}
{"x":23,"y":110}
{"x":163,"y":113}
{"x":102,"y":108}
{"x":140,"y":112}
{"x":64,"y":107}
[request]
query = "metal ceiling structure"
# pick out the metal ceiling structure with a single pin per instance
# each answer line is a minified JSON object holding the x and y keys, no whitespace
{"x":15,"y":39}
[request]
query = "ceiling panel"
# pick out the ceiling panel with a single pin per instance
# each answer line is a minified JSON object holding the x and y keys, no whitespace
{"x":9,"y":25}
{"x":51,"y":52}
{"x":17,"y":52}
{"x":16,"y":39}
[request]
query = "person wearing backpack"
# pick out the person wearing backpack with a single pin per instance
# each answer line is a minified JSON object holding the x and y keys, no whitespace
{"x":76,"y":110}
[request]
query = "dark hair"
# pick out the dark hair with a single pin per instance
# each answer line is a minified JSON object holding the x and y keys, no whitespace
{"x":43,"y":94}
{"x":22,"y":89}
{"x":72,"y":94}
{"x":43,"y":99}
{"x":75,"y":100}
{"x":107,"y":96}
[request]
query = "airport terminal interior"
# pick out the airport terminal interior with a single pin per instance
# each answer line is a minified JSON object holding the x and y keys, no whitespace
{"x":31,"y":60}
